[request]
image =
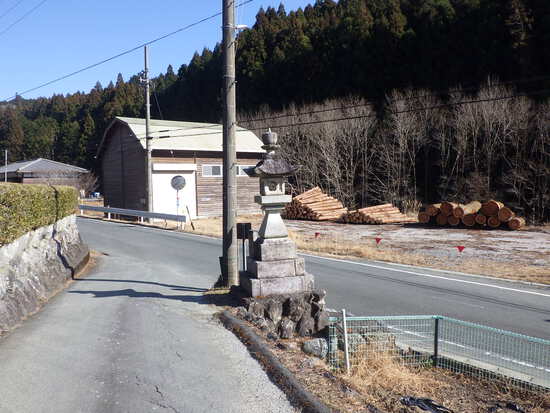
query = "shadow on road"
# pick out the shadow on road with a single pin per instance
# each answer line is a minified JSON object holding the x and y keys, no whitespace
{"x":221,"y":300}
{"x":129,"y":292}
{"x":174,"y":287}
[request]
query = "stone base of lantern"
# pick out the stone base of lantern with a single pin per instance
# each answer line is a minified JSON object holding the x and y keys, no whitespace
{"x":261,"y":287}
{"x":274,"y":268}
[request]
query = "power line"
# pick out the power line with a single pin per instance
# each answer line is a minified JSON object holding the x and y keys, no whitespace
{"x":133,"y":49}
{"x":11,"y":8}
{"x":421,"y":109}
{"x":434,"y":94}
{"x":22,"y":17}
{"x":266,"y":126}
{"x":157,"y":99}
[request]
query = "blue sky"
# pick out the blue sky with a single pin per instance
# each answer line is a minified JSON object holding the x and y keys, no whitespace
{"x":62,"y":36}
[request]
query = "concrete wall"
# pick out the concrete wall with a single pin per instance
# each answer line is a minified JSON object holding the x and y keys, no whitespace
{"x":37,"y":265}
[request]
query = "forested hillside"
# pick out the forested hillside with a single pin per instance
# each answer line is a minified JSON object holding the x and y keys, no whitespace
{"x":332,"y":51}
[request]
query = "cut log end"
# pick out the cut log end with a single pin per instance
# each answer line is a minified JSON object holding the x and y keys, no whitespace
{"x":424,"y":217}
{"x":516,"y":223}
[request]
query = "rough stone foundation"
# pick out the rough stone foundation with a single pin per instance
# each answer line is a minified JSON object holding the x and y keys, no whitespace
{"x":37,"y":265}
{"x":287,"y":315}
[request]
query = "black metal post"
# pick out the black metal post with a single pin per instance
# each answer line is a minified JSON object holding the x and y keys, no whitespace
{"x":244,"y":254}
{"x":436,"y":341}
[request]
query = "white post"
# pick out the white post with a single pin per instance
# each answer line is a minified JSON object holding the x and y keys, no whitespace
{"x":346,"y":349}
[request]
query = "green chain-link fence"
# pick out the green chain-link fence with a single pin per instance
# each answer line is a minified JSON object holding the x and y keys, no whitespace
{"x":432,"y":340}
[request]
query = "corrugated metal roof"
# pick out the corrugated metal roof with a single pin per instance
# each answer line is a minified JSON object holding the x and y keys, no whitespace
{"x":189,"y":136}
{"x":40,"y":165}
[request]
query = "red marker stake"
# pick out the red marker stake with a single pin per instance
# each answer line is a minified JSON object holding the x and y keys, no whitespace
{"x":460,"y":248}
{"x":317,"y":234}
{"x":378,"y":240}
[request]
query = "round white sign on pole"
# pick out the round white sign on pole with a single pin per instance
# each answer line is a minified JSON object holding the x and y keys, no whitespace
{"x":178,"y":182}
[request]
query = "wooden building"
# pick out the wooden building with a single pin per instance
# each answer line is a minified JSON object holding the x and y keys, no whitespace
{"x":43,"y":171}
{"x":192,"y":150}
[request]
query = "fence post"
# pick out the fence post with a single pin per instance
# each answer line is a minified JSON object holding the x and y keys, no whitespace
{"x":436,"y":341}
{"x":346,"y":349}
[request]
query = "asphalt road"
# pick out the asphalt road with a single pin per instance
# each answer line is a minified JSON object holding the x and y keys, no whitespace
{"x":362,"y":288}
{"x":134,"y":336}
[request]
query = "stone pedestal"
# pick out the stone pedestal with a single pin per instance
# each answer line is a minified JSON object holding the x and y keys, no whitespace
{"x":274,"y":268}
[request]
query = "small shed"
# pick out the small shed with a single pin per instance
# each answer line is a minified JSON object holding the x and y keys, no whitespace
{"x":43,"y":171}
{"x":190,"y":149}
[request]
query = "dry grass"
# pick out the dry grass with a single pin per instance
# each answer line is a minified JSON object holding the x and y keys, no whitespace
{"x":383,"y":380}
{"x":342,"y":248}
{"x":213,"y":226}
{"x":379,"y":378}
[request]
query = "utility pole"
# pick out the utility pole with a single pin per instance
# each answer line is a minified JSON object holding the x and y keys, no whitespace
{"x":149,"y":166}
{"x":6,"y":165}
{"x":230,"y":271}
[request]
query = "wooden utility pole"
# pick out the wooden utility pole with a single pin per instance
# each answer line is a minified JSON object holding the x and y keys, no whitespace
{"x":149,"y":166}
{"x":230,"y":271}
{"x":6,"y":165}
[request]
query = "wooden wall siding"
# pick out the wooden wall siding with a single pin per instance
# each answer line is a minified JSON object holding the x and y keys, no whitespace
{"x":123,"y":168}
{"x":123,"y":172}
{"x":210,"y":189}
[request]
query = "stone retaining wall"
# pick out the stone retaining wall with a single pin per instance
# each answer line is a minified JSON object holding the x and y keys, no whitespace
{"x":36,"y":266}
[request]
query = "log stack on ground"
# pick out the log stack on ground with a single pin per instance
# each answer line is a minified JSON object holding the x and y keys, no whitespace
{"x":378,"y":214}
{"x":491,"y":214}
{"x":471,"y":208}
{"x":314,"y":205}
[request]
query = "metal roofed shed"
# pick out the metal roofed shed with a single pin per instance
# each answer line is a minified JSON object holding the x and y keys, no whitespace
{"x":188,"y":136}
{"x":192,"y":150}
{"x":43,"y":171}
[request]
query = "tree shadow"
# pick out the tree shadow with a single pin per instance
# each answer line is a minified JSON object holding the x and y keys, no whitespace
{"x":172,"y":286}
{"x":130,"y":292}
{"x":221,"y":300}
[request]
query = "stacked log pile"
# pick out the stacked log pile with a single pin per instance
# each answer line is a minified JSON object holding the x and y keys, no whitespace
{"x":490,"y":214}
{"x":314,"y":205}
{"x":378,"y":214}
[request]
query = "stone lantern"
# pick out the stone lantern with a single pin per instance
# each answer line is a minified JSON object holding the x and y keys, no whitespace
{"x":273,"y":266}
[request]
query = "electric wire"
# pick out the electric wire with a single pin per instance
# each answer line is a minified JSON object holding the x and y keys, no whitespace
{"x":415,"y":97}
{"x":27,"y":14}
{"x":11,"y":8}
{"x":157,"y":100}
{"x":318,"y":121}
{"x":123,"y":53}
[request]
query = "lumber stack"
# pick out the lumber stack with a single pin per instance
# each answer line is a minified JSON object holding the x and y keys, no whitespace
{"x":314,"y":205}
{"x":490,"y":214}
{"x":378,"y":214}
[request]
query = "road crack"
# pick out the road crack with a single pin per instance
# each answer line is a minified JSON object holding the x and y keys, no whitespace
{"x":164,"y":406}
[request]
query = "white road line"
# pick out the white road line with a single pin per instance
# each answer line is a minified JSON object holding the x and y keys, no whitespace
{"x":371,"y":265}
{"x":473,"y":351}
{"x":363,"y":264}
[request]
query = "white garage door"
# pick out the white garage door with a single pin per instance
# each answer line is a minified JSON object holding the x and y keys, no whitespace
{"x":165,"y":197}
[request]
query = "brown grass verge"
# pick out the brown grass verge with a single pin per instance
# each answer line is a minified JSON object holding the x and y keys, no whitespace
{"x":529,"y":273}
